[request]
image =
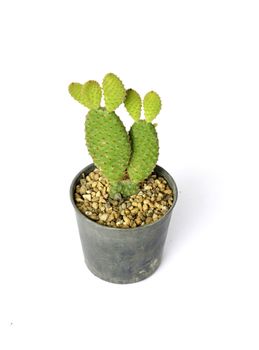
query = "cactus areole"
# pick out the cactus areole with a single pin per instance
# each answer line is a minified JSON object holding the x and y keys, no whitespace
{"x":124,"y":158}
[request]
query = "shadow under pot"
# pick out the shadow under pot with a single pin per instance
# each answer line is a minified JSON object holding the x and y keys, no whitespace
{"x":123,"y":255}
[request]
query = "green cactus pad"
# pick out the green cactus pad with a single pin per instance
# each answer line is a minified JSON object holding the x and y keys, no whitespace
{"x":91,"y":93}
{"x":108,"y":143}
{"x":133,"y":104}
{"x":114,"y":91}
{"x":152,"y":105}
{"x":75,"y":90}
{"x":144,"y":143}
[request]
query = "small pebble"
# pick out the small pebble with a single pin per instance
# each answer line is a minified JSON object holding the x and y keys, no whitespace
{"x":87,"y":196}
{"x":148,"y":220}
{"x":82,"y":190}
{"x":134,"y":211}
{"x":140,"y":206}
{"x":155,"y":217}
{"x":95,"y":205}
{"x":93,"y":217}
{"x":103,"y":217}
{"x":145,"y":207}
{"x":111,"y":217}
{"x":138,"y":221}
{"x":159,"y":197}
{"x":78,"y":198}
{"x":126,"y":220}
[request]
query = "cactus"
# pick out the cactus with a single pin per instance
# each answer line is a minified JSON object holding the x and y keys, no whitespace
{"x":92,"y":93}
{"x":105,"y":134}
{"x":89,"y":94}
{"x":108,"y":143}
{"x":125,"y":188}
{"x":114,"y":92}
{"x":143,"y":136}
{"x":152,"y":105}
{"x":124,"y":159}
{"x":75,"y":91}
{"x":133,"y":104}
{"x":144,"y":145}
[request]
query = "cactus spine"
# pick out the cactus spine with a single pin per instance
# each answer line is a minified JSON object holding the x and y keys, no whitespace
{"x":124,"y":159}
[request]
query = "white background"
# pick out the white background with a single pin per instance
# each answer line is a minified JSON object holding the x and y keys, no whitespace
{"x":202,"y":57}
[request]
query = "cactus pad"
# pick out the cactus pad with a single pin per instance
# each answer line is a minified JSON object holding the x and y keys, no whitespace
{"x":114,"y":91}
{"x":91,"y":93}
{"x":152,"y":105}
{"x":108,"y":143}
{"x":75,"y":91}
{"x":144,"y":144}
{"x":133,"y":104}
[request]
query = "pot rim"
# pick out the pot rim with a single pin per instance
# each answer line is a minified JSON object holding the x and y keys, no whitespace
{"x":118,"y":229}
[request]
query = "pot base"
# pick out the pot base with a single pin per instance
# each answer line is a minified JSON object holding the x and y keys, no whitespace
{"x":140,"y":276}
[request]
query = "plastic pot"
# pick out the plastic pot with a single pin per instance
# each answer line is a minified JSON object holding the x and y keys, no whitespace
{"x":122,"y":255}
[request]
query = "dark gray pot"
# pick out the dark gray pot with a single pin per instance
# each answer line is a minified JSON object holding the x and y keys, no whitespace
{"x":122,"y":255}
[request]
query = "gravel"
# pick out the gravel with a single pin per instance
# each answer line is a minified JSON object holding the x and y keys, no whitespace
{"x":153,"y":200}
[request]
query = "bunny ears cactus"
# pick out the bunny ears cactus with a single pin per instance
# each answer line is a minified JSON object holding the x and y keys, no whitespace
{"x":125,"y":159}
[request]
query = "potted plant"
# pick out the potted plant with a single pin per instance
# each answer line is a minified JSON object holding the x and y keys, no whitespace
{"x":124,"y":201}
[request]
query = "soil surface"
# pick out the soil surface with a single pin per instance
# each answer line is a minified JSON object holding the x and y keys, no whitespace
{"x":153,"y":200}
